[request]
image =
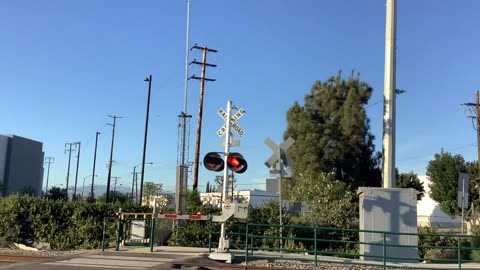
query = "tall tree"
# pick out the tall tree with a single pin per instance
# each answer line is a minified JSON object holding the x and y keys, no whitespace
{"x":410,"y":180}
{"x":56,"y":193}
{"x":443,"y":173}
{"x":332,"y":133}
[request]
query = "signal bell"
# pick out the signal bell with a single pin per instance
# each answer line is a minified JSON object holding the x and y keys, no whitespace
{"x":213,"y":162}
{"x":236,"y":163}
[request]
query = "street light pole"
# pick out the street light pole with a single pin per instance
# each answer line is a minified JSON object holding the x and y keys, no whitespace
{"x":94,"y":162}
{"x":149,"y":80}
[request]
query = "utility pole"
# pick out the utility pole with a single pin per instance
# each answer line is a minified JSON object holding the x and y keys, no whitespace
{"x":111,"y":155}
{"x":94,"y":162}
{"x":69,"y":150}
{"x":477,"y":117}
{"x":48,"y":161}
{"x":114,"y":186}
{"x":79,"y":144}
{"x":202,"y":79}
{"x":388,"y":166}
{"x":149,"y":80}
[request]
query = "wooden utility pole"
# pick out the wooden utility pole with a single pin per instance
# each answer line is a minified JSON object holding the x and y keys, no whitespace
{"x":477,"y":118}
{"x":202,"y":79}
{"x":111,"y":155}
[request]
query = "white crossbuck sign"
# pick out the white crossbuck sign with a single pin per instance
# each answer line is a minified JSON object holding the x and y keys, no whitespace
{"x":233,"y":122}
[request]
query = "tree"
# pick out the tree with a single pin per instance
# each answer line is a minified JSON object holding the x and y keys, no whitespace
{"x":410,"y":180}
{"x":150,"y":190}
{"x":332,"y":133}
{"x":329,"y":201}
{"x":115,"y":196}
{"x":443,"y":173}
{"x":56,"y":193}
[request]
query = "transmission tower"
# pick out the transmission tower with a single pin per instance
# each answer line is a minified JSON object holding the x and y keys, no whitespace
{"x":183,"y":144}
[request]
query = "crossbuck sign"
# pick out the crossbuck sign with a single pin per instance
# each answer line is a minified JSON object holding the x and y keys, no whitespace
{"x":233,"y":122}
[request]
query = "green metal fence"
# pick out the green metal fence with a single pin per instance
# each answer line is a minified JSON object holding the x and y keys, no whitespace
{"x":110,"y":232}
{"x":126,"y":231}
{"x":342,"y":246}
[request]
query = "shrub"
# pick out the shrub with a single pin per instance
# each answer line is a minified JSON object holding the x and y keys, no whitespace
{"x":65,"y":225}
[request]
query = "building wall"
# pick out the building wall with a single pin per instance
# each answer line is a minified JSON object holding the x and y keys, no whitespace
{"x":254,"y":198}
{"x":3,"y":157}
{"x":24,"y":165}
{"x":429,"y":211}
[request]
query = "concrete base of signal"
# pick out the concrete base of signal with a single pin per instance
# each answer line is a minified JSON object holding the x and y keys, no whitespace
{"x":222,"y":256}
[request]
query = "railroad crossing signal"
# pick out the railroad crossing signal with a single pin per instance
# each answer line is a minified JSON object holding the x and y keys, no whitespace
{"x":279,"y":159}
{"x":235,"y":162}
{"x":233,"y":122}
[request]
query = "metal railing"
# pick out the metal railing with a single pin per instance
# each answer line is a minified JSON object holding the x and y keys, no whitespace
{"x":344,"y":246}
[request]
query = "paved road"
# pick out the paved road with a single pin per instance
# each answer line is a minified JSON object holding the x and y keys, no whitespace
{"x":127,"y":261}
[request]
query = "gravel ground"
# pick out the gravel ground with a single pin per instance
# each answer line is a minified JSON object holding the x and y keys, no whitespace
{"x":307,"y":266}
{"x":46,"y":253}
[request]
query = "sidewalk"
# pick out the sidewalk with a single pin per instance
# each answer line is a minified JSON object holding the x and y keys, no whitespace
{"x":158,"y":249}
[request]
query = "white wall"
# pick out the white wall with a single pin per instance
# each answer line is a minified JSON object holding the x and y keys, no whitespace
{"x":254,"y":198}
{"x":429,"y":211}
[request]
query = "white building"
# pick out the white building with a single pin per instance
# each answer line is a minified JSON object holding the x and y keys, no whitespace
{"x":253,"y":197}
{"x":429,"y":212}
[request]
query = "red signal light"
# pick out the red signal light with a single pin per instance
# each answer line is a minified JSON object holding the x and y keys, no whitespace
{"x":236,"y":163}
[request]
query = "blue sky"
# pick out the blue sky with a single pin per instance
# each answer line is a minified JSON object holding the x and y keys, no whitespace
{"x":66,"y":65}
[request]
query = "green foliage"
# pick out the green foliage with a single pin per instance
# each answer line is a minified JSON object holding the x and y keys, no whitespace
{"x":56,"y":193}
{"x":332,"y":133}
{"x":115,"y":197}
{"x":194,"y":233}
{"x":150,"y":190}
{"x":268,"y":213}
{"x":410,"y":180}
{"x":65,"y":225}
{"x":428,"y":237}
{"x":443,"y":172}
{"x":330,"y":203}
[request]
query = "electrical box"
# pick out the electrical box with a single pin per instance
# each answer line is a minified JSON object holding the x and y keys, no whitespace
{"x":389,"y":212}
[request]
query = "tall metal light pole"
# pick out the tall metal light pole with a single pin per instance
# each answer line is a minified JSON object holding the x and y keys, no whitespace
{"x":48,"y":161}
{"x":94,"y":162}
{"x":388,"y":168}
{"x":149,"y":80}
{"x":111,"y":155}
{"x":78,"y":162}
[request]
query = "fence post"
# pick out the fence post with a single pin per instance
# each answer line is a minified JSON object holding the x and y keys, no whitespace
{"x":246,"y":245}
{"x":384,"y":250}
{"x":315,"y":244}
{"x":103,"y":235}
{"x":152,"y":233}
{"x":459,"y":251}
{"x":210,"y":241}
{"x":119,"y":231}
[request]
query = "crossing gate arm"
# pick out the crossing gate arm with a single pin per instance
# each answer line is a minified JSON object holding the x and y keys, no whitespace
{"x":187,"y":217}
